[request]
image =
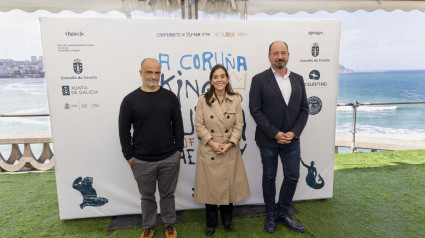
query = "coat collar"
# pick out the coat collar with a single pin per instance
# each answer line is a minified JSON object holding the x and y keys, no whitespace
{"x":272,"y":79}
{"x":275,"y":86}
{"x":220,"y":110}
{"x":228,"y":98}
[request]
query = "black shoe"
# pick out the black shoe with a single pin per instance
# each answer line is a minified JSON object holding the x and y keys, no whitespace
{"x":269,"y":224}
{"x":290,"y":223}
{"x":228,"y":225}
{"x":209,"y":230}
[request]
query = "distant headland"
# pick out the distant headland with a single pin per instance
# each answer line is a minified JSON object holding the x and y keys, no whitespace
{"x":342,"y":69}
{"x":33,"y":68}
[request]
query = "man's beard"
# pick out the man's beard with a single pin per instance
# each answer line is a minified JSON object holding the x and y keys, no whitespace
{"x":152,"y":86}
{"x":280,"y":66}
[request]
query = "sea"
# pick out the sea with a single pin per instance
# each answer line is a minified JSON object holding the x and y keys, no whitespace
{"x":399,"y":121}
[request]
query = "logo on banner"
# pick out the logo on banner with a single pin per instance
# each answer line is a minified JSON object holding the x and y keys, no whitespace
{"x":313,"y":179}
{"x":65,"y":91}
{"x":73,"y":33}
{"x":78,"y":66}
{"x":315,"y":50}
{"x":314,"y":105}
{"x":314,"y":74}
{"x":90,"y":198}
{"x":78,"y":90}
{"x":318,"y":33}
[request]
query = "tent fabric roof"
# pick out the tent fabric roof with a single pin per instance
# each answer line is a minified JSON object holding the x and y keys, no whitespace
{"x":249,"y":7}
{"x":311,"y":6}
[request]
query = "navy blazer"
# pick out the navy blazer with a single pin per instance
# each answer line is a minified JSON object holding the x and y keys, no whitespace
{"x":271,"y":112}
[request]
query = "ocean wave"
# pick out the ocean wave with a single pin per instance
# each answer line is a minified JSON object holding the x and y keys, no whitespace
{"x":367,"y":108}
{"x":25,"y":87}
{"x":382,"y":132}
{"x":30,"y":111}
{"x":25,"y":120}
{"x":38,"y":93}
{"x":38,"y":85}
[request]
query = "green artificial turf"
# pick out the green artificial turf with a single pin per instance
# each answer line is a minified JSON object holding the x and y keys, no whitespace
{"x":375,"y":195}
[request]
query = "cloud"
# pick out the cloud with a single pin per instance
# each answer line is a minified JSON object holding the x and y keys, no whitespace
{"x":376,"y":40}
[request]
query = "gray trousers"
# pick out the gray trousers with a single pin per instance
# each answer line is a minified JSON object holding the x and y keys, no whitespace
{"x":166,"y":172}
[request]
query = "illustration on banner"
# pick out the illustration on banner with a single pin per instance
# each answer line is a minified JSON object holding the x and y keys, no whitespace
{"x":312,"y":175}
{"x":90,"y":198}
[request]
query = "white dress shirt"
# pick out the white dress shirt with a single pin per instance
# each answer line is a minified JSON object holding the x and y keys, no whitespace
{"x":284,"y":84}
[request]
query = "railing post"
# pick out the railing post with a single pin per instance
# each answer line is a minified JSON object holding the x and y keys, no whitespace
{"x":353,"y":130}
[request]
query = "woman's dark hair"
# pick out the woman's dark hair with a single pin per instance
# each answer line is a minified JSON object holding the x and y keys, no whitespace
{"x":211,"y":91}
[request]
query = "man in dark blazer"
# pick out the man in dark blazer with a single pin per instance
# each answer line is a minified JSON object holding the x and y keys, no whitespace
{"x":278,"y":104}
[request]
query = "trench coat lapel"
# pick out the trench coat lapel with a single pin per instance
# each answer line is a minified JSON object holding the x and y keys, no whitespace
{"x":226,"y":107}
{"x":217,"y":110}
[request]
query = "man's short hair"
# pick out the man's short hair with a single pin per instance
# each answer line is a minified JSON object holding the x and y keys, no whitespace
{"x":143,"y":61}
{"x":270,"y":46}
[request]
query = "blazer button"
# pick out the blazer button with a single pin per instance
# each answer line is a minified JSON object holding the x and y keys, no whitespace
{"x":228,"y":116}
{"x":226,"y":131}
{"x":212,"y":158}
{"x":211,"y":116}
{"x":212,"y":131}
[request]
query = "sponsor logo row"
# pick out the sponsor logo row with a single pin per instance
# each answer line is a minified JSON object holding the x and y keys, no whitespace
{"x":81,"y":106}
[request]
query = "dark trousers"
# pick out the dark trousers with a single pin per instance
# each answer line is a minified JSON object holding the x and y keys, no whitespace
{"x":147,"y":173}
{"x":290,"y":157}
{"x":226,"y":212}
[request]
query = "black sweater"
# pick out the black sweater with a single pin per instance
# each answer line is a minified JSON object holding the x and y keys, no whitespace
{"x":157,"y":125}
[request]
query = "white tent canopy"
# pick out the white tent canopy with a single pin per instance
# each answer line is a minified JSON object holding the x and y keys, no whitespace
{"x":249,"y":7}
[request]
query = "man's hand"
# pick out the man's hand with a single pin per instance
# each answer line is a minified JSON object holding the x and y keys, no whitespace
{"x":130,"y":161}
{"x":287,"y":137}
{"x":279,"y":136}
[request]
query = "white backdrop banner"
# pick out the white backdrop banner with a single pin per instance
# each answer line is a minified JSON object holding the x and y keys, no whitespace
{"x":91,"y":64}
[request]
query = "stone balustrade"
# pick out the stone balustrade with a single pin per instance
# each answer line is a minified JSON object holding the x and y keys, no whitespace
{"x":27,"y":159}
{"x":376,"y":143}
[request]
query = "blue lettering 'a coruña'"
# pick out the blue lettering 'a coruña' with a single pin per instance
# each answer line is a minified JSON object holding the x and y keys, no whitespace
{"x":207,"y":60}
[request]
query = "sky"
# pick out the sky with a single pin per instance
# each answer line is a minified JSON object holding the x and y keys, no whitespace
{"x":376,"y":40}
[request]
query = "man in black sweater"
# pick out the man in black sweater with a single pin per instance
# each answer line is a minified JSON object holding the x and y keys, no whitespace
{"x":154,"y":149}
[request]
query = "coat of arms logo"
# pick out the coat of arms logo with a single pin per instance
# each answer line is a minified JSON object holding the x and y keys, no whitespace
{"x":315,"y":50}
{"x":78,"y":66}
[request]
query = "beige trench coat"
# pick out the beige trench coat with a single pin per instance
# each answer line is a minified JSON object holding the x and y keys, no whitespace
{"x":220,"y":179}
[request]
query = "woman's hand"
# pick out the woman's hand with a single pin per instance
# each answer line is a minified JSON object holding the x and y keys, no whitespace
{"x":225,"y":147}
{"x":216,"y":147}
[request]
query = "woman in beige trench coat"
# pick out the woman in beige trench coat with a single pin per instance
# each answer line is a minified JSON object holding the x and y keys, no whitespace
{"x":220,"y":178}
